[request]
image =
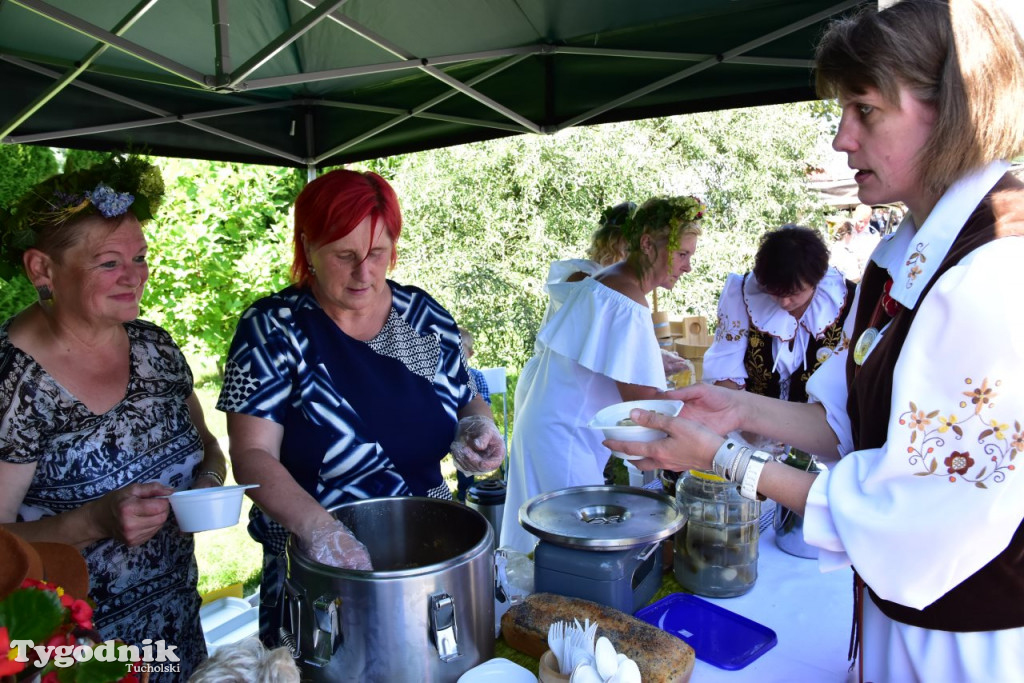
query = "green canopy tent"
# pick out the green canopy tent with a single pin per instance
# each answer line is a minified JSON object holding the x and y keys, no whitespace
{"x":312,"y":83}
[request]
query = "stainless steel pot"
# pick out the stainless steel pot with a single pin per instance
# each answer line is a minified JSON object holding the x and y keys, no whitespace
{"x":426,"y":613}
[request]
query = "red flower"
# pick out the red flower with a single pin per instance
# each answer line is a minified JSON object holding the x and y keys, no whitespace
{"x":959,"y":463}
{"x":81,"y":613}
{"x":51,"y":678}
{"x":41,"y":585}
{"x":8,"y":665}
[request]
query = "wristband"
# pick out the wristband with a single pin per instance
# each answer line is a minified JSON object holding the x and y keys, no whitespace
{"x":723,"y":463}
{"x":752,"y":474}
{"x":213,"y":475}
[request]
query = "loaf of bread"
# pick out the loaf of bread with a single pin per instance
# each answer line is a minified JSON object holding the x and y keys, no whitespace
{"x":662,"y":658}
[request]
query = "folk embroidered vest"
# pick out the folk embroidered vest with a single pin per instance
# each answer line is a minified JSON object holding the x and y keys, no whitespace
{"x":758,"y":360}
{"x":993,"y":597}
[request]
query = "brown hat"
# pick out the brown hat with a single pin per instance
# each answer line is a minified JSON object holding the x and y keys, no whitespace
{"x":56,"y":563}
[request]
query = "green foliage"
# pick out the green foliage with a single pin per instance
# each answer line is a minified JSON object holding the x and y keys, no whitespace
{"x":31,"y":614}
{"x":828,"y":111}
{"x":83,"y":158}
{"x":483,"y":222}
{"x":21,"y":167}
{"x":15,"y":294}
{"x":221,"y":241}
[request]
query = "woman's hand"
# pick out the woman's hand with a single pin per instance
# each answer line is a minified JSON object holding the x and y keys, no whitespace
{"x":332,"y":543}
{"x":478,"y":447}
{"x":717,"y":408}
{"x":673,"y":363}
{"x":689,"y":444}
{"x":708,"y":413}
{"x":132,"y":515}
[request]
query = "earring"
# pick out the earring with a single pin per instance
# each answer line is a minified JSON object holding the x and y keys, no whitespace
{"x":312,"y":270}
{"x":44,"y":292}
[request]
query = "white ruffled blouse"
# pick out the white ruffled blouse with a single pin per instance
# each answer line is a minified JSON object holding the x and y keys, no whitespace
{"x":594,"y":338}
{"x":744,"y":304}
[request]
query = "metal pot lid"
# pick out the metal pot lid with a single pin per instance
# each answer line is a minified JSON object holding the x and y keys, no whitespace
{"x":601,"y":517}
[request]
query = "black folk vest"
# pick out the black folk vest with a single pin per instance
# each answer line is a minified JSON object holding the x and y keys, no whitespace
{"x":758,"y":359}
{"x":993,"y":597}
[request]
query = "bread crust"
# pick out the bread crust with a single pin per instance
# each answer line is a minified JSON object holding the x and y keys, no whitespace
{"x":661,"y":658}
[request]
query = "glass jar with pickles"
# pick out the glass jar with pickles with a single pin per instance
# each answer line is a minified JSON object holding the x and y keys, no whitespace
{"x":716,"y":551}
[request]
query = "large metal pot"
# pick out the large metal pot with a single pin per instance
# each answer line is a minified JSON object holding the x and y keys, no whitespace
{"x":426,"y":613}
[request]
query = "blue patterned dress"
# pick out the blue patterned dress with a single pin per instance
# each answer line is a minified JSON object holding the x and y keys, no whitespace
{"x":146,"y":591}
{"x":361,"y":419}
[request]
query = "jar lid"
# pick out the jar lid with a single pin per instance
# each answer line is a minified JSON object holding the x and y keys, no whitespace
{"x":601,"y":517}
{"x":707,"y":476}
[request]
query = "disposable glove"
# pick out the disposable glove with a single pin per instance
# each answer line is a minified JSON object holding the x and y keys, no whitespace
{"x":478,"y":448}
{"x":333,"y":544}
{"x":674,"y":363}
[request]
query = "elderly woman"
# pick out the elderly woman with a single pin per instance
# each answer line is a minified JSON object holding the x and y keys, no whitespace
{"x":346,"y":385}
{"x":926,"y":503}
{"x":99,"y":415}
{"x":779,"y":322}
{"x":597,"y":348}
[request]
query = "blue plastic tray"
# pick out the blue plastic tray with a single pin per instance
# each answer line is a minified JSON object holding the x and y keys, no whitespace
{"x":718,"y":636}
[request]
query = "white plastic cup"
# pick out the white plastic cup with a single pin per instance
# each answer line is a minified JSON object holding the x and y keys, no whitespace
{"x":210,"y":508}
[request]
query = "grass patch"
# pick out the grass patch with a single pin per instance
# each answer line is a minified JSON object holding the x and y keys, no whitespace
{"x":229,"y":556}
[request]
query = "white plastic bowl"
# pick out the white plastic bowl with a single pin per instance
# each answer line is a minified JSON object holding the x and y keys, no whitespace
{"x":215,"y":507}
{"x":607,"y":420}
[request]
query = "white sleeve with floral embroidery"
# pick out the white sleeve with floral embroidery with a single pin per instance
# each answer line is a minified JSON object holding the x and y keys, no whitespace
{"x":944,"y":495}
{"x":724,"y":358}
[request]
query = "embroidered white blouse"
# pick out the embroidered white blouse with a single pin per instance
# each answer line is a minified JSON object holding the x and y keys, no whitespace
{"x":744,"y":304}
{"x":942,"y":496}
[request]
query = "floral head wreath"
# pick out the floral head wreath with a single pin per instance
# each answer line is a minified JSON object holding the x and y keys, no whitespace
{"x":109,"y":189}
{"x":673,"y":213}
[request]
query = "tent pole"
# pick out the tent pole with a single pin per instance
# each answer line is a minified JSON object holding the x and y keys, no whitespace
{"x":96,"y":33}
{"x":221,"y":39}
{"x":72,"y":74}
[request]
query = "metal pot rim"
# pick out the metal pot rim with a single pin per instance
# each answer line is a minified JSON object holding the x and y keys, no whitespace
{"x":485,"y":543}
{"x":557,"y":517}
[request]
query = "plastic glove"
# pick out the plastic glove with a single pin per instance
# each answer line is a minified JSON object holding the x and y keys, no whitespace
{"x":333,"y":544}
{"x":674,"y":363}
{"x":478,"y":448}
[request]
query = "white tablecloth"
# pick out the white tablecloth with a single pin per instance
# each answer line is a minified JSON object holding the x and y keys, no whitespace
{"x":810,"y":613}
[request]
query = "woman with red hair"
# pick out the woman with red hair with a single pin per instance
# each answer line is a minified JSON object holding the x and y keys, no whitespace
{"x":345,"y":385}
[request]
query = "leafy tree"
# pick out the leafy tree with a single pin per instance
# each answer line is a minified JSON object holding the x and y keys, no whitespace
{"x":220,"y":242}
{"x":484,"y":221}
{"x":23,"y":166}
{"x":83,"y":158}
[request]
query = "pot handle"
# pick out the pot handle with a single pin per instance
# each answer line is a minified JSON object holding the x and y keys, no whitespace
{"x":325,"y":628}
{"x":443,"y":626}
{"x":290,"y":627}
{"x":646,"y":552}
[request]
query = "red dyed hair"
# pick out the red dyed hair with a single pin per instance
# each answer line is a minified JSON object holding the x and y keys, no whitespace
{"x":333,"y":205}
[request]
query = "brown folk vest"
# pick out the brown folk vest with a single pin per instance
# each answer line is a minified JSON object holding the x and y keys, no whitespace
{"x":993,"y":597}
